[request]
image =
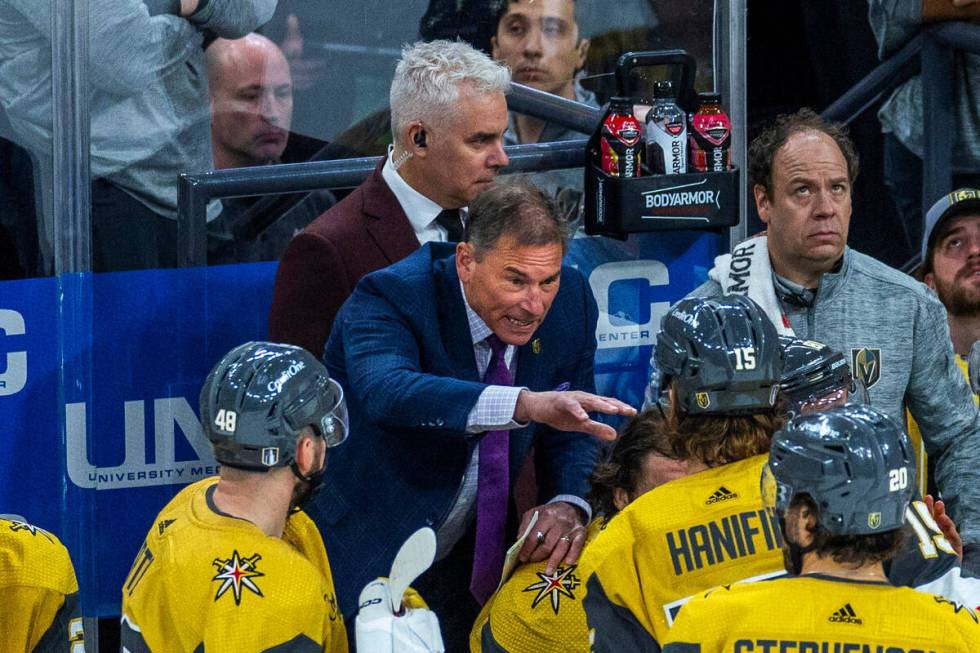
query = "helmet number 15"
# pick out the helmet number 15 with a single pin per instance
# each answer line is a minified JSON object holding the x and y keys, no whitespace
{"x":744,"y":358}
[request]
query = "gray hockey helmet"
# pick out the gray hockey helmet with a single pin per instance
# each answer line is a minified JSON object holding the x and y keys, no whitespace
{"x":855,"y":462}
{"x":259,"y":397}
{"x":816,"y":377}
{"x":721,"y":354}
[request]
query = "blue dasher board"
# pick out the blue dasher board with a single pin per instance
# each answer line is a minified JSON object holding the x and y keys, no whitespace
{"x":100,"y":376}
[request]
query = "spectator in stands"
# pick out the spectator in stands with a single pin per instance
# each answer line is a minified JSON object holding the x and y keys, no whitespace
{"x":41,"y":611}
{"x":448,"y":115}
{"x":149,"y":110}
{"x":539,"y":40}
{"x":894,"y":22}
{"x":251,"y":94}
{"x":950,"y":261}
{"x":427,"y":350}
{"x":251,"y":101}
{"x":892,"y":330}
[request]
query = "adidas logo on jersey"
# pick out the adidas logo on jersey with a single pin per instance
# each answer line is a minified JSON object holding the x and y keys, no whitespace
{"x":721,"y":494}
{"x":845,"y":615}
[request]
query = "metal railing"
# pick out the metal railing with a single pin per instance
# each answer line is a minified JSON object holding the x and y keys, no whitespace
{"x":931,"y":53}
{"x":196,"y":190}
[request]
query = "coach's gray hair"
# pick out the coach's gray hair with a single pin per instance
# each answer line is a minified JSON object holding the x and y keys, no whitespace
{"x":514,"y":207}
{"x":427,"y":78}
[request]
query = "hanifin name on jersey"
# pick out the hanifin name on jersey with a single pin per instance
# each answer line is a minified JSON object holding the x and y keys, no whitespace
{"x":778,"y":645}
{"x":729,"y":538}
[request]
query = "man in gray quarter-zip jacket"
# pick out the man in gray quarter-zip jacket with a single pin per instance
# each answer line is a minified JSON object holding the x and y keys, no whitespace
{"x":892,"y":328}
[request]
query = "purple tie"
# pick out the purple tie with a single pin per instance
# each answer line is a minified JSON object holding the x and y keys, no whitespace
{"x":492,"y":490}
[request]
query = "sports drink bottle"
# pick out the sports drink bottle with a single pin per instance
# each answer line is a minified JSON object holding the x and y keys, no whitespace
{"x":666,"y":132}
{"x":710,"y":136}
{"x":621,"y":142}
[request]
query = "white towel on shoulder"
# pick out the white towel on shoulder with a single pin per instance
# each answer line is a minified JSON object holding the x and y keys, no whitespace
{"x":748,"y":271}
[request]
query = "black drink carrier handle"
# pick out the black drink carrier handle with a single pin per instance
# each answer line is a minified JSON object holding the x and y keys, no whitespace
{"x":619,"y":206}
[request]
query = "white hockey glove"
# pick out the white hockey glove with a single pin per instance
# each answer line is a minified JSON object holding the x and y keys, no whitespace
{"x":379,"y":630}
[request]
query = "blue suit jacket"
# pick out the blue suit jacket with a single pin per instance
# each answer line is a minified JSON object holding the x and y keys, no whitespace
{"x":401,"y":348}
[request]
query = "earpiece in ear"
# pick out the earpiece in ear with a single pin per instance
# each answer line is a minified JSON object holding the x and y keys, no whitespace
{"x":420,"y":138}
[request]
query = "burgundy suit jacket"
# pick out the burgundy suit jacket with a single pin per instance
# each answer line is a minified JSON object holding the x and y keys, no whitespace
{"x":364,"y":232}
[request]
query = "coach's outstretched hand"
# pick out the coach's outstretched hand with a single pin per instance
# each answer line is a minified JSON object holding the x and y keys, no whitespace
{"x":569,"y":411}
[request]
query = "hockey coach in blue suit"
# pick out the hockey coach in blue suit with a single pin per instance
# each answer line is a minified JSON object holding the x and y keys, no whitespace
{"x":456,"y":361}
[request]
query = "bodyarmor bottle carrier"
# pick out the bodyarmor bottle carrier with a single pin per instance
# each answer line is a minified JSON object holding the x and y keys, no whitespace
{"x":616,"y":206}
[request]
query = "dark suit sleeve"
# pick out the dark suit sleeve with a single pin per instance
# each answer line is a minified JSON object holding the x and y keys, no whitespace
{"x":564,"y":460}
{"x":383,"y":362}
{"x":311,"y":285}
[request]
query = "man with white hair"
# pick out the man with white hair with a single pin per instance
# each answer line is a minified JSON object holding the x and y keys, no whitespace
{"x":448,"y":117}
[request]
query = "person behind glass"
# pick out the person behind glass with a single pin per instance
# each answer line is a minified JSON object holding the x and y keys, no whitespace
{"x":541,"y":44}
{"x":149,"y":112}
{"x":251,"y":91}
{"x":456,"y":361}
{"x":448,"y":116}
{"x":539,"y":40}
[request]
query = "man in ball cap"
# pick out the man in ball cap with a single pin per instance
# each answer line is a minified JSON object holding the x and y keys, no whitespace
{"x":951,"y":264}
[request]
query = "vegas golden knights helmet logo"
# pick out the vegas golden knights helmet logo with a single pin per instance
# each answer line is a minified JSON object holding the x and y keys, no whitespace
{"x":866,"y":365}
{"x":874,"y":520}
{"x":702,"y":399}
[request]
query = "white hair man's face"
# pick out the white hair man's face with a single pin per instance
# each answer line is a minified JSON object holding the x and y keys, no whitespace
{"x":463,"y":152}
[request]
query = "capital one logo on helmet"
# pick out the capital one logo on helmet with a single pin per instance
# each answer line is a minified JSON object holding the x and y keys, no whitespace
{"x":288,"y":373}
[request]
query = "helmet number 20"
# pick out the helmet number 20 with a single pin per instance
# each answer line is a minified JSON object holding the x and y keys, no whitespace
{"x":898,"y":479}
{"x":744,"y":358}
{"x":225,"y":420}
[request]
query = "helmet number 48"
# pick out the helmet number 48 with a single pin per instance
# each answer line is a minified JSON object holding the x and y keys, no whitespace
{"x":225,"y":420}
{"x":744,"y":358}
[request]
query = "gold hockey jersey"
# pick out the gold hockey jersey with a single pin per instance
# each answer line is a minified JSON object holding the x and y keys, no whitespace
{"x":821,"y":614}
{"x":38,"y":592}
{"x":204,"y":579}
{"x":922,"y":459}
{"x":534,"y":611}
{"x":671,"y":544}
